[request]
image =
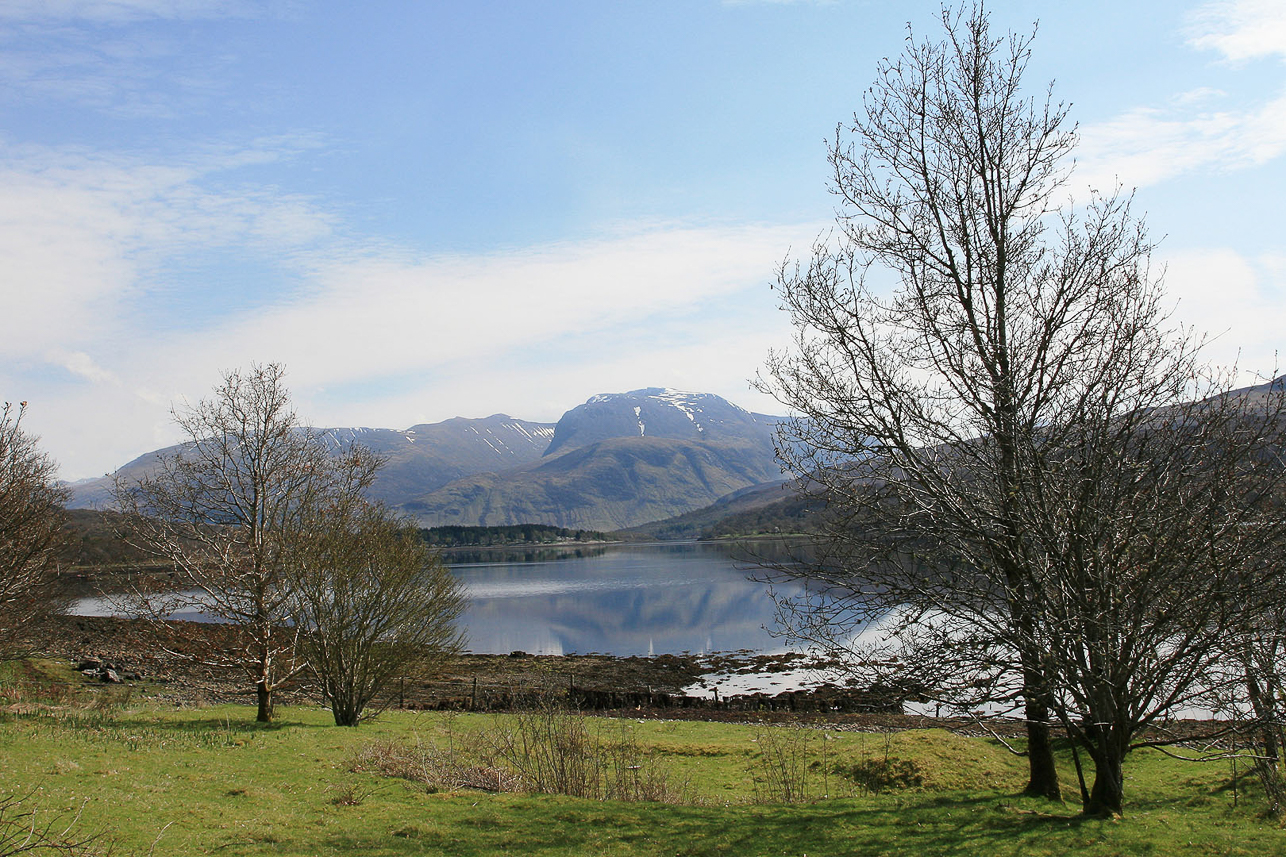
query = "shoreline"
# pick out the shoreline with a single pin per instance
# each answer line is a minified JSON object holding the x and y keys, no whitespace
{"x":636,"y":687}
{"x":480,"y":682}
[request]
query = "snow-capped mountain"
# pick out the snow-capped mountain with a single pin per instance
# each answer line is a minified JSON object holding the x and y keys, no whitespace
{"x":419,"y":459}
{"x":657,"y":412}
{"x":618,"y":460}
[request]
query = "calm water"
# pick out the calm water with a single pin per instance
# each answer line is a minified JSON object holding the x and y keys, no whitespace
{"x":626,"y":600}
{"x":629,"y":600}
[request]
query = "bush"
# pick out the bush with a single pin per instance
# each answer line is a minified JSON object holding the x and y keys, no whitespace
{"x":544,"y":750}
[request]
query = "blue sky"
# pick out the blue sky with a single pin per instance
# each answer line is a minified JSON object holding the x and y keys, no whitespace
{"x":431,"y":209}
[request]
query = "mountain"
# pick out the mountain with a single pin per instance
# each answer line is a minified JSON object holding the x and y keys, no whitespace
{"x":775,"y":507}
{"x":428,"y":456}
{"x":658,"y":412}
{"x":420,"y":458}
{"x":617,"y":461}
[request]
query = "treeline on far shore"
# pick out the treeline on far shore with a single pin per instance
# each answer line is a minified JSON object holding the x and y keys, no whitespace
{"x":461,"y":536}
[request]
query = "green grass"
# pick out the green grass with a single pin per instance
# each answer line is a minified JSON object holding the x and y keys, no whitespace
{"x":210,"y":781}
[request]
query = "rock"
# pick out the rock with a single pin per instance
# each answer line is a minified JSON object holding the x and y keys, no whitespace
{"x":110,"y":676}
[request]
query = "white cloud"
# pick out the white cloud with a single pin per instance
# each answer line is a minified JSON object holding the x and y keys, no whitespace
{"x":1238,"y":301}
{"x":678,"y":301}
{"x":81,"y":364}
{"x":100,"y":333}
{"x":78,"y":234}
{"x":1148,"y":145}
{"x":1204,"y":128}
{"x":1241,"y":30}
{"x":369,"y":315}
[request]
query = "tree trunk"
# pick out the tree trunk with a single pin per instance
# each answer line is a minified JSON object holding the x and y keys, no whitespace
{"x":264,"y":692}
{"x":1108,"y":793}
{"x":1043,"y":772}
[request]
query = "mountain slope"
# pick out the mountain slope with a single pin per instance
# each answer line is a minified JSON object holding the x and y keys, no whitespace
{"x":420,"y":458}
{"x":612,"y":484}
{"x":428,"y":456}
{"x":615,"y":461}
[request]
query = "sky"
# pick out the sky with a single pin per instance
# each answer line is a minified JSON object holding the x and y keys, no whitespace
{"x":459,"y":208}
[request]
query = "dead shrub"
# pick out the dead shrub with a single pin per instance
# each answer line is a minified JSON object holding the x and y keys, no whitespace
{"x":435,"y":768}
{"x":544,"y":750}
{"x":779,"y":770}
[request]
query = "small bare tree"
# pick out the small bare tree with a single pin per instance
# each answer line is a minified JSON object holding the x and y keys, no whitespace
{"x":228,"y":506}
{"x":372,"y":601}
{"x":1255,"y":694}
{"x":32,"y":514}
{"x":26,"y":829}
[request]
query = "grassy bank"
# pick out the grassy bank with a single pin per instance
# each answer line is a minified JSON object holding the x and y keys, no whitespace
{"x":208,"y":780}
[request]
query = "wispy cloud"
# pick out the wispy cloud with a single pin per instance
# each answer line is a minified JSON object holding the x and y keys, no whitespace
{"x":124,"y":11}
{"x":80,"y":233}
{"x":1241,"y":30}
{"x":92,"y":243}
{"x":384,"y":314}
{"x":1204,"y":128}
{"x":1147,"y":145}
{"x":1235,"y":299}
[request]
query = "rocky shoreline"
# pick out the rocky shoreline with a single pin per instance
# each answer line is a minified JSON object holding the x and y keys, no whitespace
{"x":129,"y":653}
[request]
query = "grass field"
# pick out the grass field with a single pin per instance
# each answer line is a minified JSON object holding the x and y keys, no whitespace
{"x":193,"y":781}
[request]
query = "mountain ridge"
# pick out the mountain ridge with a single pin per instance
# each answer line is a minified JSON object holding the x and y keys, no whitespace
{"x":617,"y":460}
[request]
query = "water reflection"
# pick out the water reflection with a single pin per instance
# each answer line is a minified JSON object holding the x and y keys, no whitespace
{"x":628,"y":600}
{"x":621,"y":600}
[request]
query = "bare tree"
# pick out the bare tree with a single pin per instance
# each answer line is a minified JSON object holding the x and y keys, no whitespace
{"x":227,"y":507}
{"x":1155,"y":531}
{"x":372,"y":602}
{"x":32,"y":514}
{"x":992,"y":437}
{"x":1255,"y":694}
{"x":26,"y":829}
{"x":949,"y":182}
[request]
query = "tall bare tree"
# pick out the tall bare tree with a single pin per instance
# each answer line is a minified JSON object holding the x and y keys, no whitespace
{"x":32,"y":514}
{"x":226,"y":508}
{"x":372,"y":602}
{"x":947,"y":179}
{"x":1034,"y":489}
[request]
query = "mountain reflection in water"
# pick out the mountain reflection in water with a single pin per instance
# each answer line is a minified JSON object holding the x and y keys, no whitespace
{"x":626,"y":600}
{"x":666,"y":598}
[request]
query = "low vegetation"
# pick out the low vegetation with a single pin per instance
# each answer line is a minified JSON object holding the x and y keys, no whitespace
{"x":515,"y":534}
{"x":127,"y":773}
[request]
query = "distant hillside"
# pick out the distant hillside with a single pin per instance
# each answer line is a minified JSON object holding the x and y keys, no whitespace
{"x":761,"y":509}
{"x":517,"y":534}
{"x":91,"y":539}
